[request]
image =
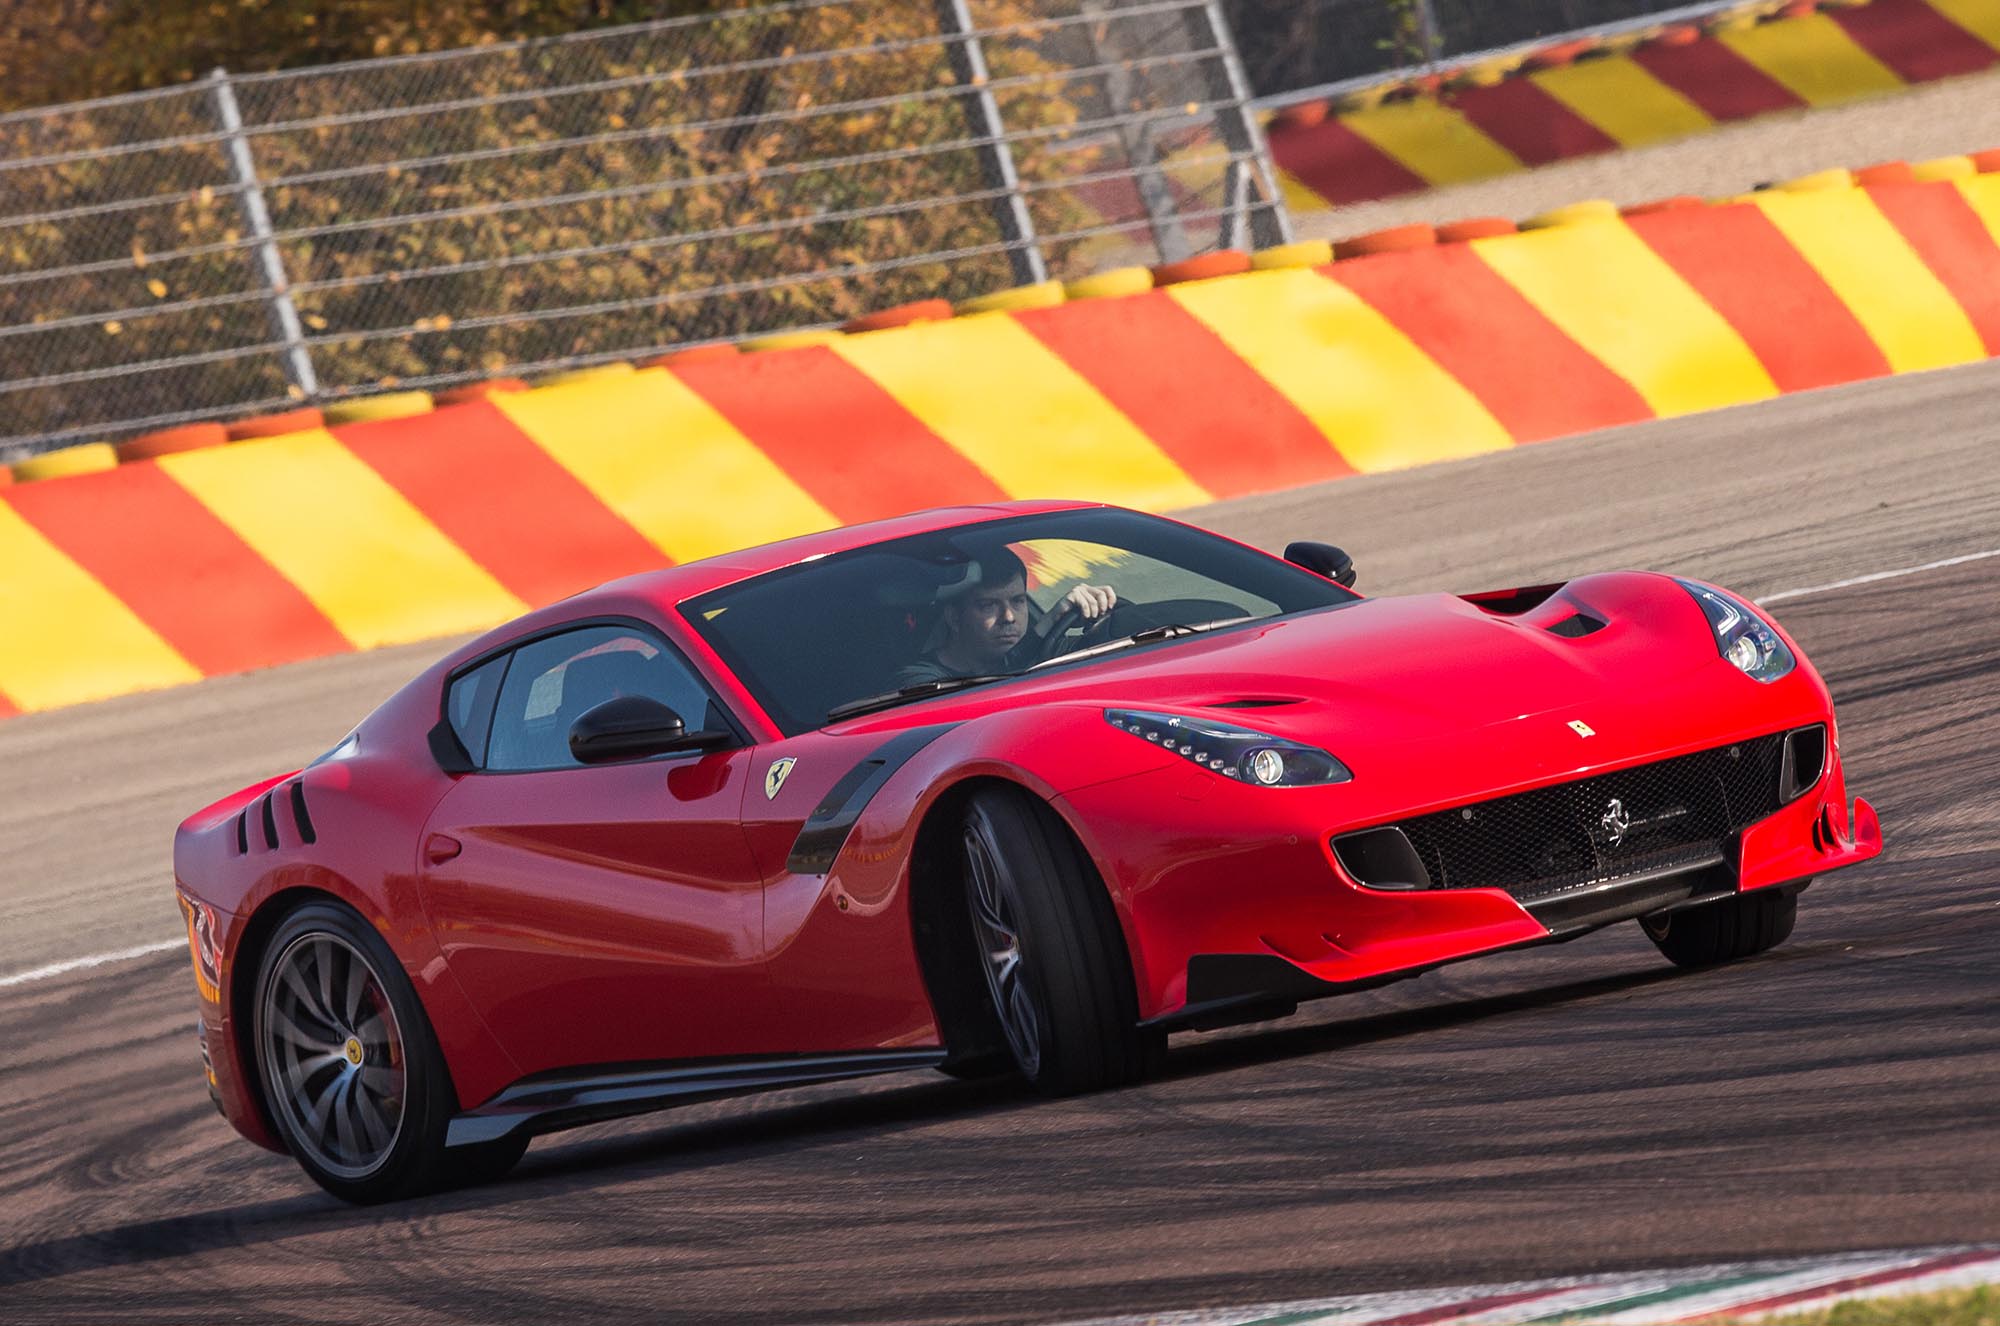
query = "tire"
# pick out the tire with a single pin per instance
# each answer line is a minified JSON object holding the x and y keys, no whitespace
{"x":1054,"y":958}
{"x":350,"y":1067}
{"x":1725,"y":931}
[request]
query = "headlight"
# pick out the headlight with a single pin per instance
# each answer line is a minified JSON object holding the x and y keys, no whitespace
{"x":1744,"y":638}
{"x":1234,"y":752}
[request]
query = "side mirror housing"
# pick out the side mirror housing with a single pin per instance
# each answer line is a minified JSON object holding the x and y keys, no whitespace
{"x":1322,"y":559}
{"x":634,"y":727}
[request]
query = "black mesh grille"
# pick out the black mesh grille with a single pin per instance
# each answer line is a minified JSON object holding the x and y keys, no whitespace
{"x":1678,"y":812}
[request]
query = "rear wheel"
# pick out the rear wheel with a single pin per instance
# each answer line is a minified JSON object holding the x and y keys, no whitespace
{"x":1051,"y":950}
{"x":1724,"y":931}
{"x":350,"y":1067}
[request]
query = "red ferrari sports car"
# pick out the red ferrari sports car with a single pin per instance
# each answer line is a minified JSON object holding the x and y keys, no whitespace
{"x":1010,"y":788}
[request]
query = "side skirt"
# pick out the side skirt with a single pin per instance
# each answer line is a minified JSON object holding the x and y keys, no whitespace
{"x":553,"y":1101}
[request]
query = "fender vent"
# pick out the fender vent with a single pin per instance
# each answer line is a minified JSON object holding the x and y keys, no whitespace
{"x":270,"y":823}
{"x":243,"y":832}
{"x":300,"y":816}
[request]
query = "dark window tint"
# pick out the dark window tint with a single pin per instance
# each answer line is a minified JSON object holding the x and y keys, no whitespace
{"x":554,"y":681}
{"x":469,"y":706}
{"x":873,"y":620}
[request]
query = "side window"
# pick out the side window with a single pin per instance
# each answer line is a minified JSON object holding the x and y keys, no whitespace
{"x":469,"y":706}
{"x":553,"y":682}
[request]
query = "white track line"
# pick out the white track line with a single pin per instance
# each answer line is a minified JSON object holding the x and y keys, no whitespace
{"x":99,"y":959}
{"x":94,"y":960}
{"x":1782,"y":595}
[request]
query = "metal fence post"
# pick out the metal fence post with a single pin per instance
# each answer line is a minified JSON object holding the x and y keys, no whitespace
{"x":1270,"y":223}
{"x":1433,"y":35}
{"x":1142,"y":153}
{"x":968,"y":65}
{"x":284,"y":313}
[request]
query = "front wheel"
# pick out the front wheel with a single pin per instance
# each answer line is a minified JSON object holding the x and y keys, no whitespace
{"x":1719,"y":932}
{"x":1050,"y":947}
{"x":350,"y":1068}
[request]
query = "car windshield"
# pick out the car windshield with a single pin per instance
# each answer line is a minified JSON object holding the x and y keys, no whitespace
{"x":975,"y":604}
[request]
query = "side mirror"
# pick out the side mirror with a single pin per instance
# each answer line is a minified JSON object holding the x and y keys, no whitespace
{"x":634,"y":727}
{"x":1322,"y":559}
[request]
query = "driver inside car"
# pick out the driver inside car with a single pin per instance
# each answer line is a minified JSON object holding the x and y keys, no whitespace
{"x":987,"y":617}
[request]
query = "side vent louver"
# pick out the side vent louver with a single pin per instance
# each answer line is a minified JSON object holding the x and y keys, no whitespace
{"x":243,"y":832}
{"x":299,"y":814}
{"x":270,"y":822}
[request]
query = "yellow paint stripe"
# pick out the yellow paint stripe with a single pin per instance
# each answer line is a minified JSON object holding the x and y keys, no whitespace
{"x":1981,"y":18}
{"x":663,"y":458}
{"x":1432,"y":140}
{"x":1623,"y":100}
{"x":1381,"y":401}
{"x":1982,"y":193}
{"x":1620,"y":301}
{"x":64,"y":637}
{"x":1298,"y":196}
{"x":1012,"y":407}
{"x":1901,"y":304}
{"x":1814,"y":58}
{"x":368,"y":559}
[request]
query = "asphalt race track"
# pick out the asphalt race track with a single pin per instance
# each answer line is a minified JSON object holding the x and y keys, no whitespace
{"x":1570,"y":1109}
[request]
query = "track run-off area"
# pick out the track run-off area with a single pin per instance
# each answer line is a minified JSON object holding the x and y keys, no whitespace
{"x":1583,"y":1109}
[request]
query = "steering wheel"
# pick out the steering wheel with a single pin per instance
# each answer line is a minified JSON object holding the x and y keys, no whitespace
{"x":1049,"y":637}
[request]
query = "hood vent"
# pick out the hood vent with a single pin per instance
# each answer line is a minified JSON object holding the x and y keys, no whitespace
{"x":1577,"y":626}
{"x":1253,"y":702}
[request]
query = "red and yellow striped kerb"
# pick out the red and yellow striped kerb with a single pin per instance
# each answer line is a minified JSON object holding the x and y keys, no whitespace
{"x":263,"y":551}
{"x":1531,"y":108}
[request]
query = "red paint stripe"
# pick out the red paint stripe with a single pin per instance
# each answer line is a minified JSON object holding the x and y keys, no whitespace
{"x":1180,"y":383}
{"x":838,"y":434}
{"x":1914,"y":40}
{"x":181,"y":570}
{"x":1851,"y":1283}
{"x":1453,"y":1311}
{"x":1954,"y":243}
{"x":1339,"y":164}
{"x":1530,"y":123}
{"x":528,"y":521}
{"x":1724,"y":84}
{"x":1763,"y":287}
{"x":1523,"y":368}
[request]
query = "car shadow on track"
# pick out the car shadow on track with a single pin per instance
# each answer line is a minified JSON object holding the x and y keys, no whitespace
{"x":712,"y":1143}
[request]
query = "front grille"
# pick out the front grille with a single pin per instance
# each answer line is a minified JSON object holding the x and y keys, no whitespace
{"x":1678,"y":813}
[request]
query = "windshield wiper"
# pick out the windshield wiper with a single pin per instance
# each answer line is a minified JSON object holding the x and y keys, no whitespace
{"x":941,"y":686}
{"x":1151,"y":635}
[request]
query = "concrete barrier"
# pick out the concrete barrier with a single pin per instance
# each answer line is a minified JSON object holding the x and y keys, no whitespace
{"x":346,"y":537}
{"x":1627,"y":92}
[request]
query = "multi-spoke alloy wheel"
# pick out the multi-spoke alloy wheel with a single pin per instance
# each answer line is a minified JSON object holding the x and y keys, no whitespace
{"x":998,"y":935}
{"x":1049,"y":943}
{"x":352,"y":1074}
{"x":334,"y":1054}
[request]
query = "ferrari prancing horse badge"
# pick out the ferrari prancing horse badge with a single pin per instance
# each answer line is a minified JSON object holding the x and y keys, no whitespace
{"x":774,"y":777}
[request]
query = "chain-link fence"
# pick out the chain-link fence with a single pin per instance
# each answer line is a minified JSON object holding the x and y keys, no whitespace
{"x":1291,"y":46}
{"x":245,"y":242}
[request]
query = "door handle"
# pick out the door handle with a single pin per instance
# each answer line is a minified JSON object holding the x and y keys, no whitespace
{"x":441,"y":847}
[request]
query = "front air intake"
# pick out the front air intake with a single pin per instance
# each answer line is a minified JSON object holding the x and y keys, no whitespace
{"x":1382,"y":859}
{"x":1805,"y":761}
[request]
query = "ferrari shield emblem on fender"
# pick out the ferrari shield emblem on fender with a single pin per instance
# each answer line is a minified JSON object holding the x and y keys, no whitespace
{"x":774,"y":777}
{"x":1581,"y":728}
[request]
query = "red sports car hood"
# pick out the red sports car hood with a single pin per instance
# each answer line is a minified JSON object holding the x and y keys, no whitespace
{"x":1420,"y":666}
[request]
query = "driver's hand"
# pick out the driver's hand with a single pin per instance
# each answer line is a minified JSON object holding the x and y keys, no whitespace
{"x":1093,"y":601}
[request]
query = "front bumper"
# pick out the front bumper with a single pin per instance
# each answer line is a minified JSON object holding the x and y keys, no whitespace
{"x":1236,"y":905}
